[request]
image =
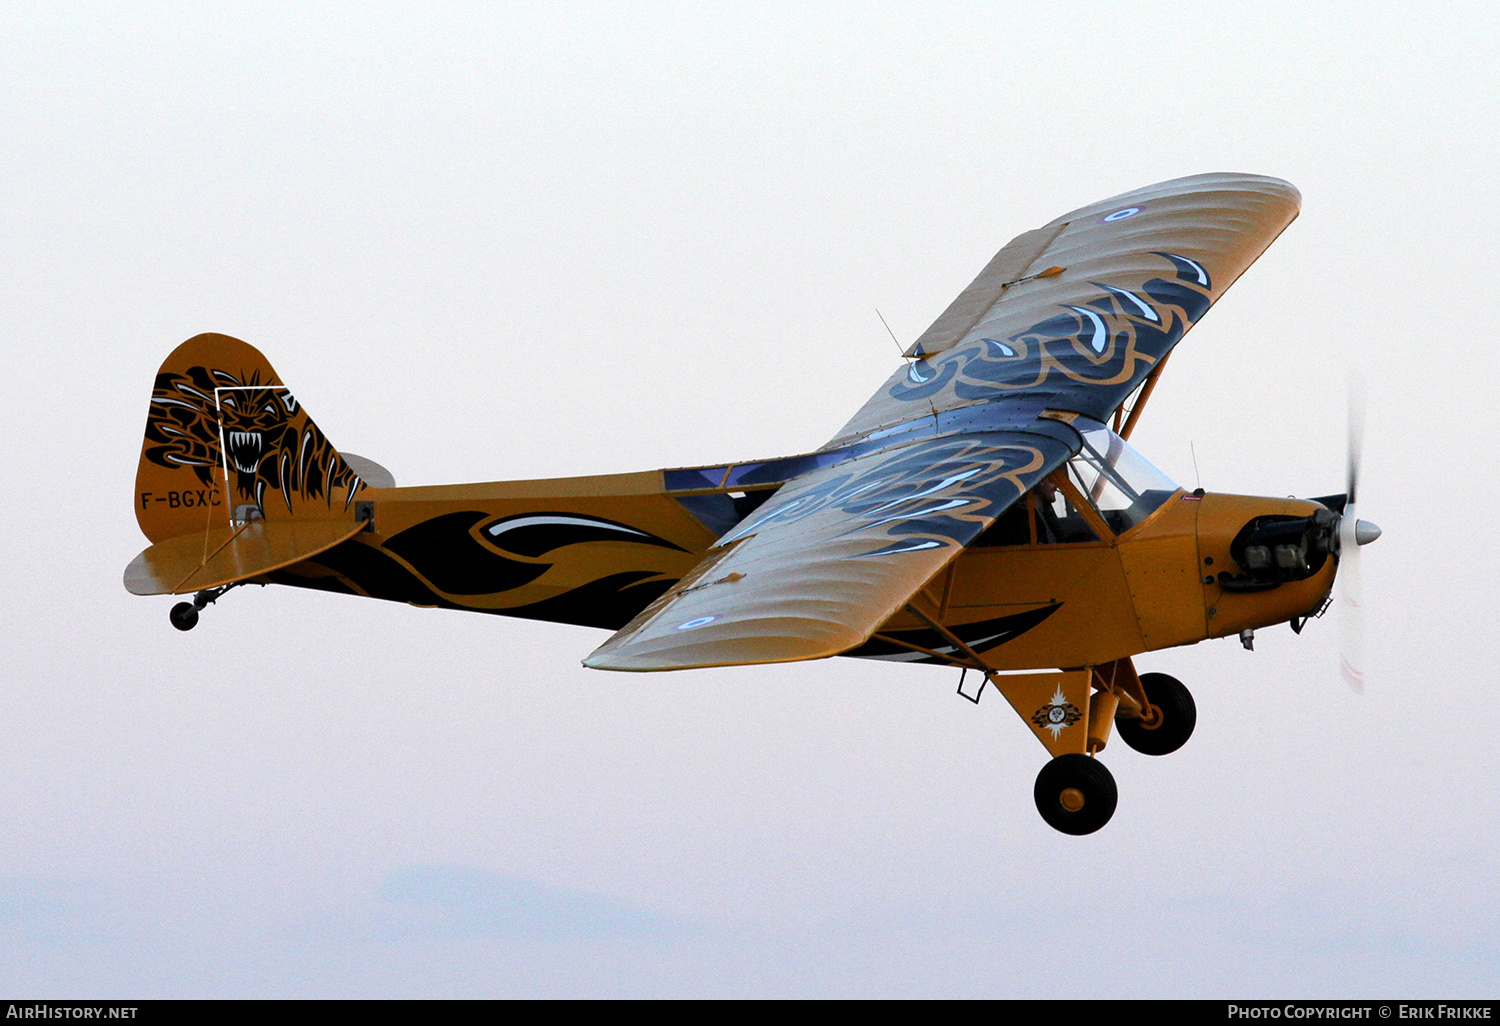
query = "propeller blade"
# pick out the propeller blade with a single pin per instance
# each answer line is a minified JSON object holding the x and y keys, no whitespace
{"x":1356,"y":403}
{"x":1351,"y":616}
{"x":1351,"y":532}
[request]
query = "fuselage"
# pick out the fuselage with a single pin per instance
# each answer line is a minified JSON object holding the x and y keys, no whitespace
{"x":596,"y":551}
{"x":1156,"y":585}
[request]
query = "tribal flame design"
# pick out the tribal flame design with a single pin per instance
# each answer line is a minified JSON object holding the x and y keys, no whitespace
{"x":1108,"y":341}
{"x":925,"y":496}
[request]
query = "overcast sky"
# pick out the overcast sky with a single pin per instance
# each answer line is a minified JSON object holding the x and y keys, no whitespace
{"x":494,"y":241}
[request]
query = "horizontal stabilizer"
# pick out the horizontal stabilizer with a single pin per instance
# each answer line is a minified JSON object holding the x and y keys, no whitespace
{"x":370,"y":472}
{"x":224,"y":555}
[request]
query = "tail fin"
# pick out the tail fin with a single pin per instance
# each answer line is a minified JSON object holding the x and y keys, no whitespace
{"x":227,"y":442}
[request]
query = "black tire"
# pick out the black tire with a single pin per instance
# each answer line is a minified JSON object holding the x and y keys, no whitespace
{"x":184,"y":616}
{"x":1076,"y":794}
{"x":1179,"y":715}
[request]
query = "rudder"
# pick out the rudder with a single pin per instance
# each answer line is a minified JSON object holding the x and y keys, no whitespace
{"x":227,"y":443}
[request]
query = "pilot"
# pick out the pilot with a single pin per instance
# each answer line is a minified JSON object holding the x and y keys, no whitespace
{"x":1012,"y":528}
{"x":1042,"y":497}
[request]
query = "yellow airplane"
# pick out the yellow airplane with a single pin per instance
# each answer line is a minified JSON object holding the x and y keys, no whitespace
{"x":984,"y":510}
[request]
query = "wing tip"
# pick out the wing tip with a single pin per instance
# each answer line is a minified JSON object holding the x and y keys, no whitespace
{"x":1210,"y":181}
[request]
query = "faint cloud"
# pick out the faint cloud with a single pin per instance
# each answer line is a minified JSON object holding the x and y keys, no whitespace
{"x":463,"y":901}
{"x":47,"y":910}
{"x":1329,"y":916}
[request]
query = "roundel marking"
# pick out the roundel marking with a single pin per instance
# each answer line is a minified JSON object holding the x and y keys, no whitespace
{"x":1120,"y":215}
{"x":702,"y":621}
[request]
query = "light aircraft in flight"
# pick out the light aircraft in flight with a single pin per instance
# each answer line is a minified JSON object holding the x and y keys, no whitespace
{"x":984,"y":510}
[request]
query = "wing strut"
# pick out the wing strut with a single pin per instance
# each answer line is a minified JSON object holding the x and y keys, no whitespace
{"x":976,"y":663}
{"x":1140,"y":403}
{"x":931,"y":653}
{"x":973,"y":662}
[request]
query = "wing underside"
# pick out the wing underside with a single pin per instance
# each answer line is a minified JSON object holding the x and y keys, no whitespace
{"x":834,"y":553}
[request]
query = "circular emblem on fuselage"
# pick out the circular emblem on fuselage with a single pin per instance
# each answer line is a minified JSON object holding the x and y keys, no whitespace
{"x":702,"y":621}
{"x":1120,"y":215}
{"x":1057,"y":715}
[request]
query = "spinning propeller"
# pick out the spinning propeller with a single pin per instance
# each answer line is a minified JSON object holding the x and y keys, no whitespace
{"x":1352,"y":534}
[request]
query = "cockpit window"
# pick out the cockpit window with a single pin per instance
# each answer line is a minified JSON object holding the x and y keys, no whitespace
{"x":1119,"y":481}
{"x":1043,"y":516}
{"x":1057,"y":521}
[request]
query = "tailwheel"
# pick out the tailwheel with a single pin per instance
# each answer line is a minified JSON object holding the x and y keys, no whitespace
{"x":184,"y":616}
{"x":1169,"y":730}
{"x":1076,"y":794}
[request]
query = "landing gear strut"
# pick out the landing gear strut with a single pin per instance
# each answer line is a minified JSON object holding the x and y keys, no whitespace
{"x":184,"y":615}
{"x":1076,"y":794}
{"x":1169,"y":729}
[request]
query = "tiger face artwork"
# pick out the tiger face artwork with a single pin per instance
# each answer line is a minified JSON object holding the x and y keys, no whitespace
{"x":257,"y":432}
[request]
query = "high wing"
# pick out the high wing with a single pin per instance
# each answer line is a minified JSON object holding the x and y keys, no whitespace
{"x":1074,"y":315}
{"x":835,"y":552}
{"x":1066,"y":321}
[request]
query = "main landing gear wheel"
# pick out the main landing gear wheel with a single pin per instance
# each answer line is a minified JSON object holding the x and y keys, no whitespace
{"x":1076,"y":794}
{"x":1179,"y":714}
{"x":184,"y":616}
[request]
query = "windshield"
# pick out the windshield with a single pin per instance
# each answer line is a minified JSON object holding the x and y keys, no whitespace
{"x":1124,"y":486}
